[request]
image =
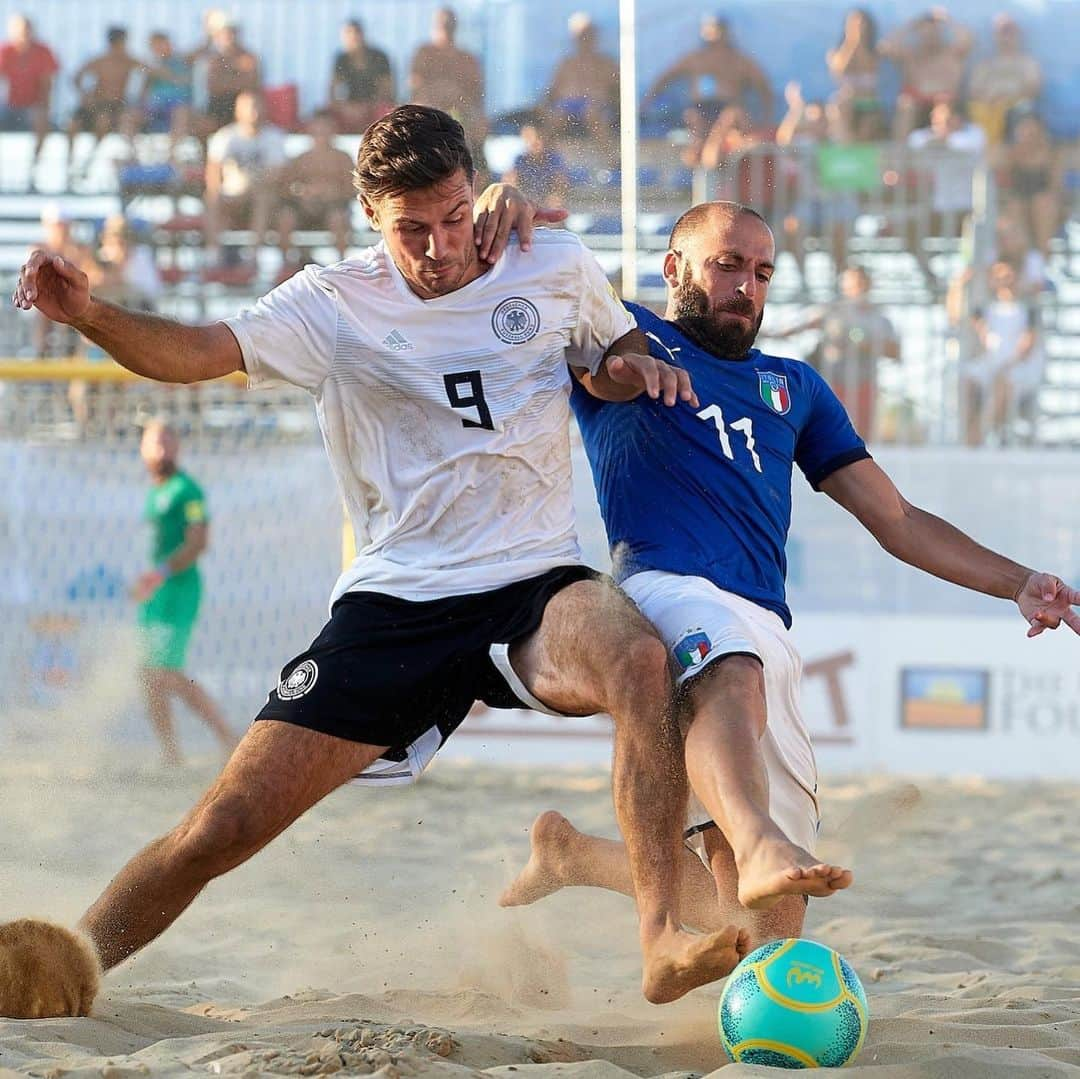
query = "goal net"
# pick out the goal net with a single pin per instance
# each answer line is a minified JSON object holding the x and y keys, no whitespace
{"x":72,"y":491}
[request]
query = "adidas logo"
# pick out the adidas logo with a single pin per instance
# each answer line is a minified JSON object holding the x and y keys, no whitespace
{"x":396,"y":341}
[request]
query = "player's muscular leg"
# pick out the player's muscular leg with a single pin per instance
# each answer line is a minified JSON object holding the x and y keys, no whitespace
{"x":594,"y":652}
{"x":276,"y":774}
{"x":726,"y":719}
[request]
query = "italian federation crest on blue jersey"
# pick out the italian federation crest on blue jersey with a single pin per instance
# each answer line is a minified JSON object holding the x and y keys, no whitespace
{"x":692,"y":649}
{"x":774,"y":391}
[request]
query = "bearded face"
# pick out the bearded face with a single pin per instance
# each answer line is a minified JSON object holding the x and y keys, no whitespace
{"x":710,"y":325}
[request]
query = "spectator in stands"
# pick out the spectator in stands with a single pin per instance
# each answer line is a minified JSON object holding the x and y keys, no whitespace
{"x":231,"y":70}
{"x":540,"y":172}
{"x":1003,"y":379}
{"x":854,"y":337}
{"x":129,"y":274}
{"x":57,"y":236}
{"x":28,"y":67}
{"x":718,"y":75}
{"x":449,"y":78}
{"x":931,"y":52}
{"x":362,"y":82}
{"x":583,"y":98}
{"x":242,"y":163}
{"x":811,"y":212}
{"x":1013,"y":245}
{"x":854,"y":66}
{"x":732,"y":131}
{"x":316,"y":189}
{"x":1008,"y":81}
{"x":1030,"y":174}
{"x":103,"y":85}
{"x":166,"y":98}
{"x":952,"y":176}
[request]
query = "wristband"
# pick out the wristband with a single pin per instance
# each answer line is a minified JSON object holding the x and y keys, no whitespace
{"x":162,"y":570}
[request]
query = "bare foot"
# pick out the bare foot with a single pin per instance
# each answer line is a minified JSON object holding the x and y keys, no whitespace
{"x":542,"y":874}
{"x":676,"y":961}
{"x":777,"y":867}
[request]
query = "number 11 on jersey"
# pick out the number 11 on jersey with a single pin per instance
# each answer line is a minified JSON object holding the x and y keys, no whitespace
{"x":744,"y":426}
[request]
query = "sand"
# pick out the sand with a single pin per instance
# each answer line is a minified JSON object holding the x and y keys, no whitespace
{"x":367,"y":938}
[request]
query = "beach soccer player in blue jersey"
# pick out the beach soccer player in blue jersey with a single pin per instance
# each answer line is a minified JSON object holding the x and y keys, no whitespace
{"x":696,"y":501}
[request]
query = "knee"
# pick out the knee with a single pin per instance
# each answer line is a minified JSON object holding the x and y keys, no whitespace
{"x":218,"y":836}
{"x":640,"y":679}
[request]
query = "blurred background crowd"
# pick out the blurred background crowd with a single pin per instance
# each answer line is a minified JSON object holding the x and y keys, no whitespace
{"x":924,"y":195}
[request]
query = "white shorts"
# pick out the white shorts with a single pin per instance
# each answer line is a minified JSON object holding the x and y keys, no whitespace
{"x":701,"y":623}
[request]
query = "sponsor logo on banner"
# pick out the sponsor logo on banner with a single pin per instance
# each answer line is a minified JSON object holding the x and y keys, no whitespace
{"x":944,"y":698}
{"x":300,"y":680}
{"x":692,"y":649}
{"x":839,"y":730}
{"x":774,"y":391}
{"x":515,"y":321}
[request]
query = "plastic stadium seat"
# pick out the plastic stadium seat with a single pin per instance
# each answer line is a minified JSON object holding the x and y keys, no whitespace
{"x":580,"y":175}
{"x":651,"y":279}
{"x":648,"y":176}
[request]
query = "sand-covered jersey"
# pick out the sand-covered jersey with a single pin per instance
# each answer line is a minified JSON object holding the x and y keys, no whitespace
{"x":706,"y":491}
{"x":170,"y":508}
{"x":446,"y":420}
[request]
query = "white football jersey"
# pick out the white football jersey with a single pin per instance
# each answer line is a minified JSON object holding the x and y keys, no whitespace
{"x":446,"y":420}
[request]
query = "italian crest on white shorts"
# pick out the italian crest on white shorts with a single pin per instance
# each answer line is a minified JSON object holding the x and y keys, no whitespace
{"x":700,"y":624}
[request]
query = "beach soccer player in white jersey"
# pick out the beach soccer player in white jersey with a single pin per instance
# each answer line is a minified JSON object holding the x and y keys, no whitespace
{"x":442,"y":388}
{"x":709,"y":570}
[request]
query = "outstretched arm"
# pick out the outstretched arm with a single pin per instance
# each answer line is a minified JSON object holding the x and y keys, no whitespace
{"x":628,"y":371}
{"x":151,"y":346}
{"x":931,"y":544}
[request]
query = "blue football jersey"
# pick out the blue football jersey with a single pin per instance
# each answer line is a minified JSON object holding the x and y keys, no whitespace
{"x":706,"y":491}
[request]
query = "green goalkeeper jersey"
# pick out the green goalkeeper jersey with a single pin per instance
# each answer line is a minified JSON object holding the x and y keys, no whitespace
{"x":171,"y":507}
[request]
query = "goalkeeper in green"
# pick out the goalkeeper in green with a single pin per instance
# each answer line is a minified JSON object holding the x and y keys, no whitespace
{"x":170,"y":593}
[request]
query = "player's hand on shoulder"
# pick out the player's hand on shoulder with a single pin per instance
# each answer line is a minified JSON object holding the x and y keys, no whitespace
{"x":54,"y":285}
{"x":658,"y":379}
{"x":1046,"y":601}
{"x":501,"y":209}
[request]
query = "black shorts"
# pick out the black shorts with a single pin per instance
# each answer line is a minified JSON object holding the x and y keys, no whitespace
{"x":386,"y":671}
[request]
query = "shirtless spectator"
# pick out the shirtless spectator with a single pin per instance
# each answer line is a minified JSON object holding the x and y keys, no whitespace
{"x":719,"y":75}
{"x":583,"y":98}
{"x":1030,"y":179}
{"x":931,"y":52}
{"x":50,"y":339}
{"x":362,"y":82}
{"x":1009,"y":80}
{"x":316,"y":188}
{"x":449,"y":78}
{"x":540,"y":172}
{"x":102,"y":83}
{"x":242,"y":163}
{"x":811,"y":211}
{"x":231,"y":70}
{"x":28,"y":67}
{"x":854,"y":66}
{"x":166,"y":97}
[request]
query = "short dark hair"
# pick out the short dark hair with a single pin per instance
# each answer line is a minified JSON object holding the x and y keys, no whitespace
{"x":698,"y":215}
{"x":413,"y":147}
{"x":115,"y":34}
